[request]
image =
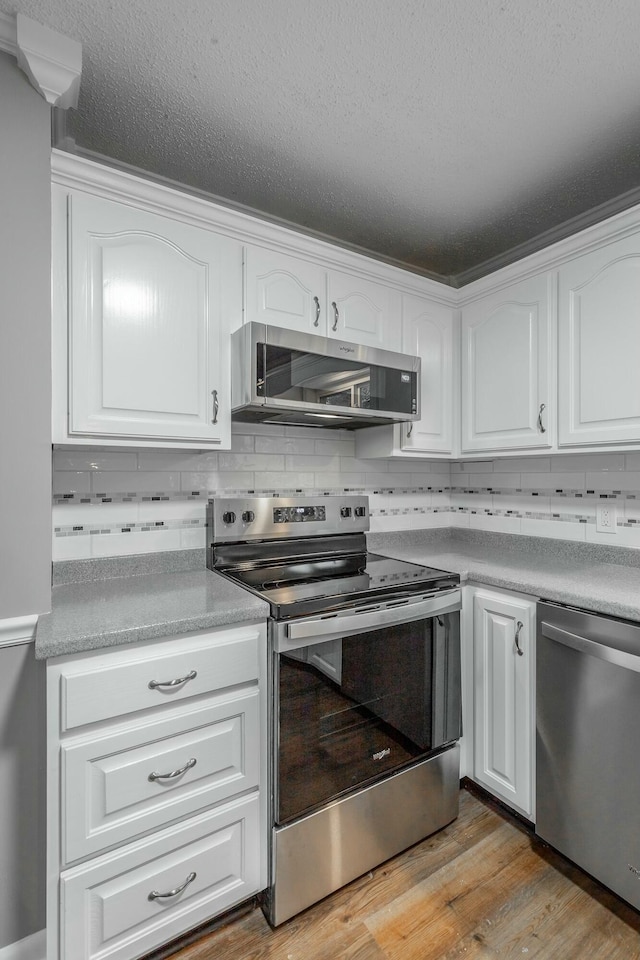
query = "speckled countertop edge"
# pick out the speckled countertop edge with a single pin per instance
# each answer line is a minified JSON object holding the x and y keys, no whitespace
{"x":110,"y":602}
{"x":90,"y":615}
{"x":593,"y":577}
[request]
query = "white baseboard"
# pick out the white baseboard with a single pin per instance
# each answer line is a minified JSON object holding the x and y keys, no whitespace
{"x":31,"y":948}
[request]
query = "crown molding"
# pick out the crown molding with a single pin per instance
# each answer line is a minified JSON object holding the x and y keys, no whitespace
{"x":125,"y":184}
{"x":564,"y":231}
{"x":51,"y":61}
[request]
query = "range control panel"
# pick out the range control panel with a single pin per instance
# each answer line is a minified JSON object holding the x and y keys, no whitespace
{"x":235,"y":519}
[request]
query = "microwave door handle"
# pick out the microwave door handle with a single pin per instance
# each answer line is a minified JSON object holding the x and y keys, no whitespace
{"x":359,"y":621}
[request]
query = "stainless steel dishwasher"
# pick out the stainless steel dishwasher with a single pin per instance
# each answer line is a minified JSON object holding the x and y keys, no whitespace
{"x":588,"y":743}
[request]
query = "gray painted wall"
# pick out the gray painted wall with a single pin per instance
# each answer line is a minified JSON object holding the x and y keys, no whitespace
{"x":25,"y":346}
{"x":22,"y":794}
{"x":25,"y":490}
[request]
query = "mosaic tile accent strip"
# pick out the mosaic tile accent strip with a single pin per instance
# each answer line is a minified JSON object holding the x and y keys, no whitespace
{"x":157,"y":526}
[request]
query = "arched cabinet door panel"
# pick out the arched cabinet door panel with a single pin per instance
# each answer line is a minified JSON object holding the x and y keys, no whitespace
{"x":149,"y":315}
{"x":507,"y":399}
{"x":599,"y":346}
{"x":362,"y":311}
{"x":284,"y":291}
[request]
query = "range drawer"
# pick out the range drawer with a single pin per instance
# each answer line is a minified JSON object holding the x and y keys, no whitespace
{"x":109,"y":909}
{"x":128,"y":782}
{"x":126,"y":680}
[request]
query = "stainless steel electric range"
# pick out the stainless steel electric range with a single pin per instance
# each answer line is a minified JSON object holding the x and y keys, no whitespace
{"x":364,"y":688}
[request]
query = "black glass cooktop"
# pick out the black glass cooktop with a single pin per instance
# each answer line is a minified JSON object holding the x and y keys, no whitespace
{"x":309,"y":585}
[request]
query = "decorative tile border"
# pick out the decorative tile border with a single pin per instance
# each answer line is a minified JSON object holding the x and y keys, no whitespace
{"x":157,"y":526}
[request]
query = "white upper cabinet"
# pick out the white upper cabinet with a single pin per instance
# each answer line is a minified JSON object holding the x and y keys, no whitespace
{"x":364,"y":312}
{"x":303,"y":295}
{"x":507,"y":358}
{"x":427,"y":332}
{"x":430,"y":330}
{"x":599,"y":345}
{"x":284,"y":291}
{"x":150,"y":301}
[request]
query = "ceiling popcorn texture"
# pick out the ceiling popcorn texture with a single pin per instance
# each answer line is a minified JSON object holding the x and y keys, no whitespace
{"x":437,"y":134}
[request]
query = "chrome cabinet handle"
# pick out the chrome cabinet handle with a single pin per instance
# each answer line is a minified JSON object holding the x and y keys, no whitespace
{"x":519,"y":627}
{"x":336,"y":315}
{"x":541,"y":427}
{"x":409,"y":429}
{"x":155,"y":684}
{"x":154,"y":895}
{"x":174,"y":773}
{"x":317,"y":319}
{"x":214,"y":394}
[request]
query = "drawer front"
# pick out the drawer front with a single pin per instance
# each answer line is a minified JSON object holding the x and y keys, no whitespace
{"x":106,"y":910}
{"x":129,"y":680}
{"x":108,"y":796}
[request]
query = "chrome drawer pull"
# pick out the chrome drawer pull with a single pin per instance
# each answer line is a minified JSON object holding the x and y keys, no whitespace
{"x":154,"y":895}
{"x":519,"y":627}
{"x":216,"y":406}
{"x":174,"y":773}
{"x":336,"y":315}
{"x":155,"y":684}
{"x":317,"y":319}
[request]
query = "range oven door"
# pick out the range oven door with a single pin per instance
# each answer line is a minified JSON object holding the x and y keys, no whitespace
{"x":359,"y":695}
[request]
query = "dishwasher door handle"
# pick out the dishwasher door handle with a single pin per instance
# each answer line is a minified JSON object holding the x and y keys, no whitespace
{"x":620,"y":658}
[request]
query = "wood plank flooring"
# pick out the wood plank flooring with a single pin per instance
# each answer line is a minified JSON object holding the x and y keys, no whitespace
{"x":482,"y":888}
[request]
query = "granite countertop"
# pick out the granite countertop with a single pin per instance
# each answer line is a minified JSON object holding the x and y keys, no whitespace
{"x":123,"y":609}
{"x":600,"y":578}
{"x":122,"y":600}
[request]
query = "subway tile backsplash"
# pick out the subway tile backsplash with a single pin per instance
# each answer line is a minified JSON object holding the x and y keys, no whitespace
{"x":109,"y":503}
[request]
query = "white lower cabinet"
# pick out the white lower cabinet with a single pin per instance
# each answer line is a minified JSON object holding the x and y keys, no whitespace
{"x":125,"y":904}
{"x":156,"y":790}
{"x":500,"y":647}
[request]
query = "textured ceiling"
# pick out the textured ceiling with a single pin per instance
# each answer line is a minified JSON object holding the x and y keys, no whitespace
{"x":438,"y":133}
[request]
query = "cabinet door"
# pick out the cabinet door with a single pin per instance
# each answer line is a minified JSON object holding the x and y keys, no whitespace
{"x":129,"y":902}
{"x":148,"y":325}
{"x":361,"y":311}
{"x":599,"y":346}
{"x":427,"y":332}
{"x":284,"y":291}
{"x":506,"y":363}
{"x":503,"y":637}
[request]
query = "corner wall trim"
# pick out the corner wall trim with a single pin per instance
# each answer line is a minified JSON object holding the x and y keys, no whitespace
{"x":31,"y":948}
{"x":51,"y":61}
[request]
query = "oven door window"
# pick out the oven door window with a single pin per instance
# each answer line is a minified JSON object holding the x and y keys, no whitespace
{"x":353,"y":709}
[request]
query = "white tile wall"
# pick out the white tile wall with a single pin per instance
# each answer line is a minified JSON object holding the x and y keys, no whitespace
{"x":108,"y":503}
{"x":114,"y":502}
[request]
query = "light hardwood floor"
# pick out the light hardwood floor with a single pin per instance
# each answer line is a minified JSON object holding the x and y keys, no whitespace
{"x":484,"y":887}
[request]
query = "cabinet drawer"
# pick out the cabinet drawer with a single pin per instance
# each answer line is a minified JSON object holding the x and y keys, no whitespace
{"x":126,"y":680}
{"x":105,"y":907}
{"x":108,"y":797}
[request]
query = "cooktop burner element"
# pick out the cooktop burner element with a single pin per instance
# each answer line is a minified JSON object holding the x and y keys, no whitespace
{"x":308,"y":555}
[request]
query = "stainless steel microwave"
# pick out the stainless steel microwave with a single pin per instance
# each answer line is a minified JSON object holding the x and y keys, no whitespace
{"x":286,"y":377}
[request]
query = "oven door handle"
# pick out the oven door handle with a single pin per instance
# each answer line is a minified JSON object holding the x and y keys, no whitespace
{"x":359,"y":621}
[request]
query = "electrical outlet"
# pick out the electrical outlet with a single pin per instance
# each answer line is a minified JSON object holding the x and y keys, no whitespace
{"x":606,"y":518}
